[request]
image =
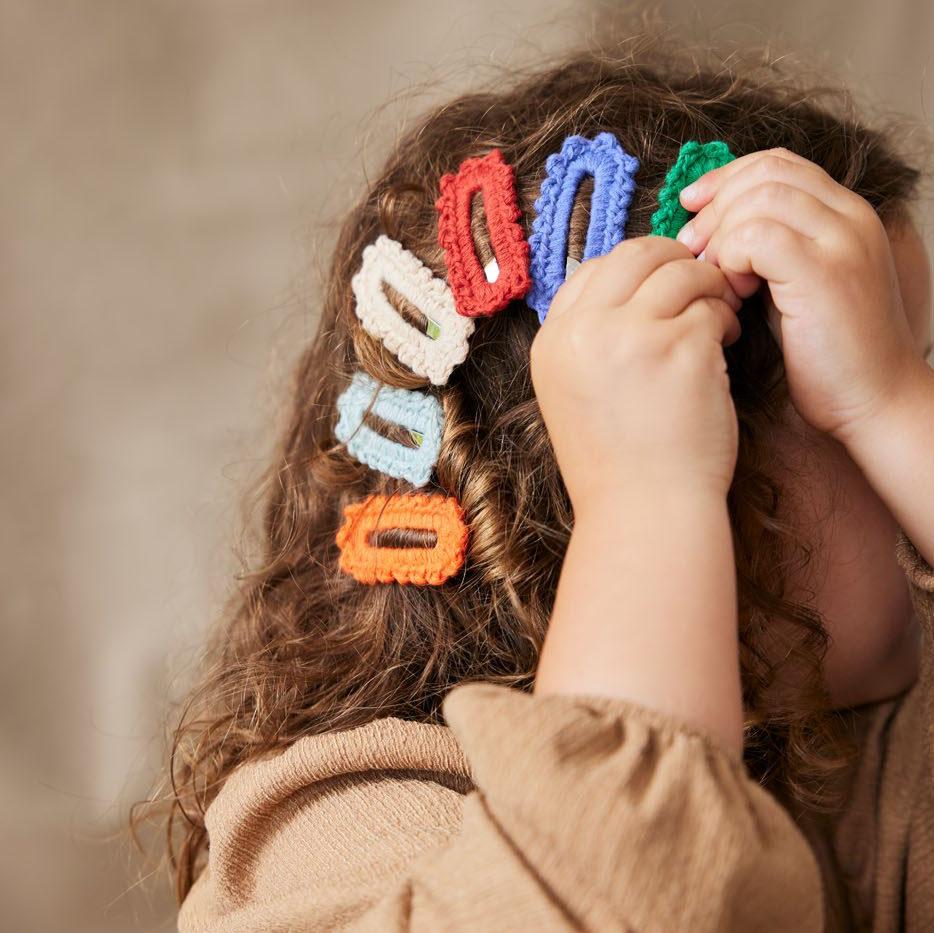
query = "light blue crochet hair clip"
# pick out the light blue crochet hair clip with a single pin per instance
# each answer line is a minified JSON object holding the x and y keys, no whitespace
{"x":613,"y":170}
{"x":418,"y":413}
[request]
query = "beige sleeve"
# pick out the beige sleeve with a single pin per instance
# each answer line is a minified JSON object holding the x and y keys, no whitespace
{"x":598,"y":814}
{"x":920,"y":577}
{"x":904,"y":877}
{"x":544,"y":813}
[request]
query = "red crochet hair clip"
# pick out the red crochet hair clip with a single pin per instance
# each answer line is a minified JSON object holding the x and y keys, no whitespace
{"x":474,"y":295}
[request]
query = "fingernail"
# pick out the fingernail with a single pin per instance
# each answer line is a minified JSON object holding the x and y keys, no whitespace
{"x":700,"y":255}
{"x":689,"y":191}
{"x":686,"y":234}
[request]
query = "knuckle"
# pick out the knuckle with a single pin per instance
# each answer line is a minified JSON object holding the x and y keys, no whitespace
{"x":707,"y":316}
{"x":644,"y":247}
{"x":614,"y":262}
{"x":678,"y":272}
{"x":637,"y":341}
{"x":633,"y":248}
{"x":592,"y":266}
{"x":771,"y":193}
{"x":755,"y":230}
{"x":580,"y":339}
{"x":775,"y":164}
{"x":700,"y":311}
{"x":576,"y":339}
{"x":624,"y":246}
{"x":867,"y":214}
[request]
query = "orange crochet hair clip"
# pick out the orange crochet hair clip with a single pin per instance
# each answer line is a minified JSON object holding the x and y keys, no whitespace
{"x":370,"y":563}
{"x":474,"y":294}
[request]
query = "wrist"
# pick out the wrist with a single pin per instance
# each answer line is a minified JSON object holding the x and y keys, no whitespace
{"x":682,"y":496}
{"x":903,"y":409}
{"x":894,"y":451}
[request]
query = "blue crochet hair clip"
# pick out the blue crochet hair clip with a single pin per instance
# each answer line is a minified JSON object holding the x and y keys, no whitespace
{"x":613,"y":170}
{"x":420,"y":414}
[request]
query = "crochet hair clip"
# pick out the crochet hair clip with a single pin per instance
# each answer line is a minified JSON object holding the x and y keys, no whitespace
{"x":419,"y":414}
{"x":694,"y":159}
{"x":477,"y":294}
{"x":368,"y":560}
{"x":432,"y":352}
{"x":613,"y":171}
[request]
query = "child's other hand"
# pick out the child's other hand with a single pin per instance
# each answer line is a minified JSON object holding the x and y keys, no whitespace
{"x":825,"y":254}
{"x":629,"y":372}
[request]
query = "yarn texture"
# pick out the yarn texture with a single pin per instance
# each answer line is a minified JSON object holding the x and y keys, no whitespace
{"x":371,"y":564}
{"x":434,"y":357}
{"x":474,"y":295}
{"x":613,"y":170}
{"x":694,"y":159}
{"x":412,"y":410}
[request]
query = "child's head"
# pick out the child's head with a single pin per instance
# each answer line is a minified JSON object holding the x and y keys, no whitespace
{"x":308,"y":648}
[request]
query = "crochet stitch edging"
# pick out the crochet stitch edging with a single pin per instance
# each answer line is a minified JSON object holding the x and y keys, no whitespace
{"x":613,"y":170}
{"x":409,"y":409}
{"x":474,"y":294}
{"x":694,"y":159}
{"x":385,"y":260}
{"x":431,"y":566}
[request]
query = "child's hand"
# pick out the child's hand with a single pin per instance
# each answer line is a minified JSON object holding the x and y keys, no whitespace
{"x":825,"y":255}
{"x":630,"y":375}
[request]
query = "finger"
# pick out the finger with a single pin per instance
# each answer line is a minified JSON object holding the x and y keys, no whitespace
{"x":570,"y":289}
{"x":764,"y":180}
{"x":614,"y":277}
{"x":694,"y":196}
{"x":794,"y":208}
{"x":791,"y":207}
{"x":769,"y":249}
{"x":714,"y":317}
{"x":745,"y":286}
{"x":673,"y":286}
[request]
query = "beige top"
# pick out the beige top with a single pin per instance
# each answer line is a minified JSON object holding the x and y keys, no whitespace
{"x":557,"y":813}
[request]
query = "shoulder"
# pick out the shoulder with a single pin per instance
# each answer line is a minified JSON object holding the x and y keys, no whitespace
{"x":387,"y":744}
{"x":331,"y":813}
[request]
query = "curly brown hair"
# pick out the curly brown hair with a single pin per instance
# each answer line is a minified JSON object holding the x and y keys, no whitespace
{"x":304,"y":649}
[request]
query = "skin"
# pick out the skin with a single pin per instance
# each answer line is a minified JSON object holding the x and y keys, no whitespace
{"x":856,"y":582}
{"x":850,"y":307}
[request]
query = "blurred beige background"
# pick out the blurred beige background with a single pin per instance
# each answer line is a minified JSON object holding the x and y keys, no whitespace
{"x":169,"y":178}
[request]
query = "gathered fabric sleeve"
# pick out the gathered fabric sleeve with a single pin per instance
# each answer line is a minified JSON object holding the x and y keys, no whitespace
{"x":595,"y":813}
{"x":904,"y":869}
{"x":579,"y":813}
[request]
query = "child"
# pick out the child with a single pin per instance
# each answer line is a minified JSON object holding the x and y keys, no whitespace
{"x":607,"y":616}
